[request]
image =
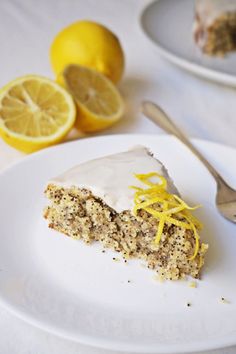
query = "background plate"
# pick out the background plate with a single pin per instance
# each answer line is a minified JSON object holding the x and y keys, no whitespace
{"x":78,"y":292}
{"x":168,"y":24}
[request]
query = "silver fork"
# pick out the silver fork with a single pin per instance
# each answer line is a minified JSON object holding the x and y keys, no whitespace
{"x":225,"y":196}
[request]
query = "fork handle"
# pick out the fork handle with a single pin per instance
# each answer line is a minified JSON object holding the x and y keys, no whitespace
{"x":159,"y":117}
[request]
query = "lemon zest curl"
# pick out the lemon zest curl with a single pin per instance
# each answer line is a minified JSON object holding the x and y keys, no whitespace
{"x":169,"y":208}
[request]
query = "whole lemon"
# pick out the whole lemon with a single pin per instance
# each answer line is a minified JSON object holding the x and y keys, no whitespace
{"x":89,"y":44}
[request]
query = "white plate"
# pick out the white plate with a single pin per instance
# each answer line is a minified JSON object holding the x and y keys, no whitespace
{"x":78,"y":292}
{"x":168,"y":24}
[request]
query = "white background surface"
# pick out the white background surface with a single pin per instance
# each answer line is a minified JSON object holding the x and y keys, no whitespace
{"x":205,"y":110}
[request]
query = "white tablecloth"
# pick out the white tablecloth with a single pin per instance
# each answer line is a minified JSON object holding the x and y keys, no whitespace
{"x":204,"y":109}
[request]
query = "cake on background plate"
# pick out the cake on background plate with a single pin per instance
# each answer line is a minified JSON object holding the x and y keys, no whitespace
{"x":215,"y":26}
{"x":128,"y":202}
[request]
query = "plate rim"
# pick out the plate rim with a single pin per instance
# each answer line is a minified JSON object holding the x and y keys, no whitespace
{"x":96,"y":341}
{"x":181,"y":62}
{"x":108,"y":136}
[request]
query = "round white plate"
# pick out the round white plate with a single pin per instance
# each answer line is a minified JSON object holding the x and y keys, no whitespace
{"x":168,"y":24}
{"x":78,"y":292}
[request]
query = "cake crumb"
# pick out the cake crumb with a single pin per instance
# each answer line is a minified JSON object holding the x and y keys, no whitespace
{"x":192,"y":284}
{"x":116,"y":259}
{"x":223,"y":300}
{"x":158,"y":278}
{"x":188,"y":304}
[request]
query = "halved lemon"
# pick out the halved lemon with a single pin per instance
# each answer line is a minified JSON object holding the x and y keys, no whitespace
{"x":35,"y":112}
{"x":99,"y":102}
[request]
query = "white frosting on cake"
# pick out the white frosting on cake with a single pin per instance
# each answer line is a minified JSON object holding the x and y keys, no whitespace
{"x":110,"y":177}
{"x":209,"y":10}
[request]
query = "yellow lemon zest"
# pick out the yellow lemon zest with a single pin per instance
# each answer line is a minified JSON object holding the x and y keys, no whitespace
{"x":167,"y":207}
{"x":145,"y":179}
{"x":191,"y":218}
{"x":196,"y":241}
{"x":169,"y":219}
{"x":161,"y":223}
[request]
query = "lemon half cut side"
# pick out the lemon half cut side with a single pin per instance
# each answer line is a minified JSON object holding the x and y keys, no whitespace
{"x":99,"y":102}
{"x":35,"y":112}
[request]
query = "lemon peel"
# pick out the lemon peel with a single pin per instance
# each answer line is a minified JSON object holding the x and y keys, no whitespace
{"x":169,"y":208}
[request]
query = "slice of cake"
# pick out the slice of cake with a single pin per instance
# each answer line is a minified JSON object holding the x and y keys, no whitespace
{"x":215,"y":26}
{"x":128,"y":202}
